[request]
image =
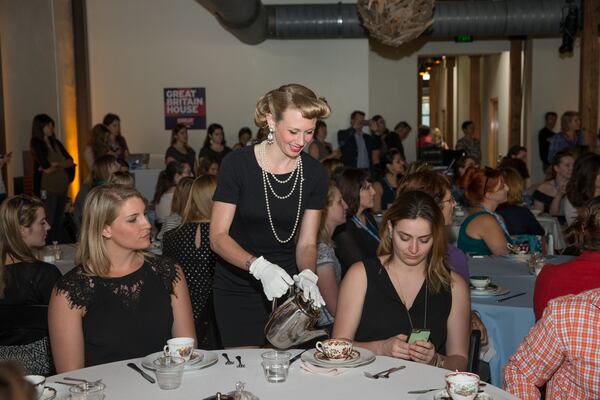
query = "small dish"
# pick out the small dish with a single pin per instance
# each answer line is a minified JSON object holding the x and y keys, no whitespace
{"x":49,"y":393}
{"x":203,"y":360}
{"x":365,"y":357}
{"x":491,"y":290}
{"x":354,"y":355}
{"x":443,"y":395}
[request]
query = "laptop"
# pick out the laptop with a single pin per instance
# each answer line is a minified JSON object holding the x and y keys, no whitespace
{"x":138,"y":160}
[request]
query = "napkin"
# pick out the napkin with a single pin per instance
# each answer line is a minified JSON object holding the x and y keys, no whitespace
{"x":313,"y":369}
{"x":487,"y":352}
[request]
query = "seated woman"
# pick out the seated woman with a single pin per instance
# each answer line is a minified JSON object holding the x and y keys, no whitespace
{"x":208,"y":166}
{"x":244,"y":136}
{"x":484,"y":232}
{"x":519,"y":220}
{"x":583,"y":186}
{"x":329,"y":270}
{"x":180,"y":150}
{"x":119,"y":302}
{"x":392,"y":166}
{"x":189,"y":245}
{"x":165,"y":188}
{"x":458,"y":173}
{"x":408,"y":286}
{"x":25,"y":281}
{"x":549,"y":195}
{"x":358,"y":238}
{"x":180,"y":198}
{"x":577,"y":275}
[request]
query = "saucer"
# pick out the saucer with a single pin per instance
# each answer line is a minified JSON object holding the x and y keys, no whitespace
{"x":199,"y":359}
{"x":443,"y":395}
{"x":354,"y":355}
{"x":491,"y":290}
{"x":49,"y":393}
{"x":365,"y":357}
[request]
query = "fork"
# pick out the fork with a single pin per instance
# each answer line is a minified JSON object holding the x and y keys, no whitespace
{"x":89,"y":383}
{"x":240,"y":365}
{"x":384,"y":374}
{"x":229,"y":362}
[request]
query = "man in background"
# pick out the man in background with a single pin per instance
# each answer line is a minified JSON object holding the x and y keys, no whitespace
{"x":355,"y":145}
{"x":544,"y":137}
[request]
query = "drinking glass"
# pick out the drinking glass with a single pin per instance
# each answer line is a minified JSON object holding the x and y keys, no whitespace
{"x":87,"y":391}
{"x":169,"y":371}
{"x":276,"y":365}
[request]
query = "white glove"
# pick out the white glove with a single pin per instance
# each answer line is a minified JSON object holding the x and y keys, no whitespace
{"x":275,"y":280}
{"x":307,"y":282}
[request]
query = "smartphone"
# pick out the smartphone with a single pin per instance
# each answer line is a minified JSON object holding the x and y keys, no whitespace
{"x":419,"y":334}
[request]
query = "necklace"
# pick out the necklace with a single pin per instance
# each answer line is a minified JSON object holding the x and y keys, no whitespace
{"x":267,"y":187}
{"x":406,"y":308}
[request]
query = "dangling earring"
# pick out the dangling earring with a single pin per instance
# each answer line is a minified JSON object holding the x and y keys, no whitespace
{"x":270,"y":136}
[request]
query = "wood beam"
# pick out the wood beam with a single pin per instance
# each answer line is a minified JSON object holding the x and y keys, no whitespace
{"x":590,"y":71}
{"x":449,"y":123}
{"x":433,"y":98}
{"x":515,"y":102}
{"x":475,"y":94}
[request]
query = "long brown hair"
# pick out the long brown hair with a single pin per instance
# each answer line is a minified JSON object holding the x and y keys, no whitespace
{"x":324,"y":234}
{"x":585,"y":231}
{"x":16,"y":212}
{"x":415,"y":204}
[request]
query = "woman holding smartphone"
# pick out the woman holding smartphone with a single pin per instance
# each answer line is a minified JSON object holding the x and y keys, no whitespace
{"x":408,"y":289}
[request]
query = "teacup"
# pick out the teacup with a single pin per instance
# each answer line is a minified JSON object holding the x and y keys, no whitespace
{"x":462,"y":385}
{"x":335,"y":349}
{"x":38,"y":382}
{"x":179,"y":347}
{"x":480,"y":281}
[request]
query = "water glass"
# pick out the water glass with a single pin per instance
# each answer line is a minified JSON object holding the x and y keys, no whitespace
{"x":87,"y":391}
{"x":276,"y":365}
{"x":169,"y":372}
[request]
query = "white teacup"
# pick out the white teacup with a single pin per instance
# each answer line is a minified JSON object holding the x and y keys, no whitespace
{"x":38,"y":382}
{"x":462,"y":385}
{"x":480,"y":282}
{"x":335,"y":349}
{"x":179,"y":347}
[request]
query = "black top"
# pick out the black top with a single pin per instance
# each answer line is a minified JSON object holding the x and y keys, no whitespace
{"x":520,"y":221}
{"x":29,"y":283}
{"x":206,"y":151}
{"x":544,"y":199}
{"x":188,"y":158}
{"x":240,"y":182}
{"x":392,"y":141}
{"x":389,"y":193}
{"x":384,"y":315}
{"x":349,"y":147}
{"x":125,"y":317}
{"x":353,"y":243}
{"x":198,"y":264}
{"x":544,"y":144}
{"x":39,"y":152}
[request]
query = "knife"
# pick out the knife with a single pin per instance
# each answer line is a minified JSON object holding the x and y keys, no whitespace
{"x":145,"y":375}
{"x":297,"y":356}
{"x":511,"y":297}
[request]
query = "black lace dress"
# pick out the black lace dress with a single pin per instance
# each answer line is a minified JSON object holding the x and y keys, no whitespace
{"x":198,"y":265}
{"x":125,"y":317}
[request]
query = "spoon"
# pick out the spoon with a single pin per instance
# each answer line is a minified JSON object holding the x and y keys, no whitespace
{"x":228,"y":362}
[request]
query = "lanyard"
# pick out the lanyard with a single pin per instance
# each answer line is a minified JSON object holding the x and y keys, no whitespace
{"x":498,"y":218}
{"x":363,"y":226}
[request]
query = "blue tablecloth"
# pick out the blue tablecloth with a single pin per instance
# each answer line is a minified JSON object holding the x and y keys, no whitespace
{"x":507,"y":322}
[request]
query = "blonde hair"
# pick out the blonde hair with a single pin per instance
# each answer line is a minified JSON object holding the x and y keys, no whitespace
{"x":436,"y":134}
{"x":515,"y":184}
{"x":566,"y":119}
{"x":16,"y":212}
{"x":101,"y":208}
{"x":288,"y":96}
{"x":415,"y":204}
{"x":181,"y":194}
{"x":122,"y":178}
{"x":323,"y":231}
{"x":199,"y":202}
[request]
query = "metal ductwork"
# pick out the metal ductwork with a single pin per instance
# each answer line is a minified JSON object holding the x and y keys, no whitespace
{"x":252,"y":22}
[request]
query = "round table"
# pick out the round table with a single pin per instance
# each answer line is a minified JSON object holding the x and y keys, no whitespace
{"x":507,"y":322}
{"x":124,"y":383}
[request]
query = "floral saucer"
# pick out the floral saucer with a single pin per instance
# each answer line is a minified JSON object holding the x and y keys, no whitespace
{"x":443,"y":395}
{"x":354,"y":355}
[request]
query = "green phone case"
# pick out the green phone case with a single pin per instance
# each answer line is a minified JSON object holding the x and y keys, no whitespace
{"x":419,"y":334}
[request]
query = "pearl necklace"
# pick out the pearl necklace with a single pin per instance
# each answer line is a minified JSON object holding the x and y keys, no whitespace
{"x":299,"y":175}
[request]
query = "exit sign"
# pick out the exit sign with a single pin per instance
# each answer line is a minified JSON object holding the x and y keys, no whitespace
{"x":463,"y":38}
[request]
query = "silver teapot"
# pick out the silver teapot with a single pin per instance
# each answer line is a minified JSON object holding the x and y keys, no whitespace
{"x":293,"y":322}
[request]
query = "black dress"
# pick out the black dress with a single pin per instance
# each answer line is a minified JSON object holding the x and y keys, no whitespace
{"x":206,"y":151}
{"x":188,"y":158}
{"x":125,"y":317}
{"x":520,"y":221}
{"x":198,"y":265}
{"x":384,"y":315}
{"x":29,"y":283}
{"x":354,"y":243}
{"x":239,"y":298}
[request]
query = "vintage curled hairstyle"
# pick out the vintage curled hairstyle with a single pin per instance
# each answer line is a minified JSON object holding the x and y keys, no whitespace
{"x":323,"y":231}
{"x":515,"y":184}
{"x":292,"y":96}
{"x":16,"y":212}
{"x":101,"y":208}
{"x":412,"y":205}
{"x":584,"y":233}
{"x":433,"y":183}
{"x":199,"y":201}
{"x":479,"y":181}
{"x":181,"y":194}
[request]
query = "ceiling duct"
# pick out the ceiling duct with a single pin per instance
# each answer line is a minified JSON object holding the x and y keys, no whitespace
{"x":252,"y":22}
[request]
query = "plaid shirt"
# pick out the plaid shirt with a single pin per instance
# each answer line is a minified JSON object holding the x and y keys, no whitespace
{"x":564,"y":348}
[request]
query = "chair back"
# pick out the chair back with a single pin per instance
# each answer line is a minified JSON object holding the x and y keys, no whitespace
{"x":473,"y":360}
{"x":22,"y":324}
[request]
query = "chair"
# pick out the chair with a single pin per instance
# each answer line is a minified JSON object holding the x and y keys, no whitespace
{"x":473,"y":358}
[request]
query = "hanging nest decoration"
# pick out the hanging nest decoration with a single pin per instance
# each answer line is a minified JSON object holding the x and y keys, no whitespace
{"x":395,"y":22}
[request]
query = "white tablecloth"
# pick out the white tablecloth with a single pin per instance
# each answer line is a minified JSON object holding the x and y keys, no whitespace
{"x":124,"y":383}
{"x":67,"y":262}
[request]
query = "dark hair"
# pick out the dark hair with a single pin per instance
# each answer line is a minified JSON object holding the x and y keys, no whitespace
{"x":426,"y":180}
{"x":376,"y":118}
{"x":244,"y":131}
{"x":320,"y":123}
{"x":514,"y":150}
{"x":582,"y":185}
{"x":585,"y":231}
{"x":460,"y":163}
{"x":415,"y":204}
{"x":556,"y":160}
{"x":110,"y":118}
{"x":466,"y":124}
{"x":331,"y":165}
{"x":166,"y":179}
{"x":387,"y":158}
{"x":175,"y":130}
{"x":478,"y":182}
{"x":100,"y":171}
{"x":355,"y":113}
{"x":209,"y":132}
{"x":38,"y":124}
{"x":350,"y":183}
{"x":549,"y":114}
{"x":403,"y":124}
{"x":423,"y":131}
{"x":99,"y":140}
{"x":204,"y":164}
{"x":517,"y":164}
{"x":123,"y":163}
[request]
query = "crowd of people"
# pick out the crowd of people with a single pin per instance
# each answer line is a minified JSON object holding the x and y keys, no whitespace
{"x":362,"y":233}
